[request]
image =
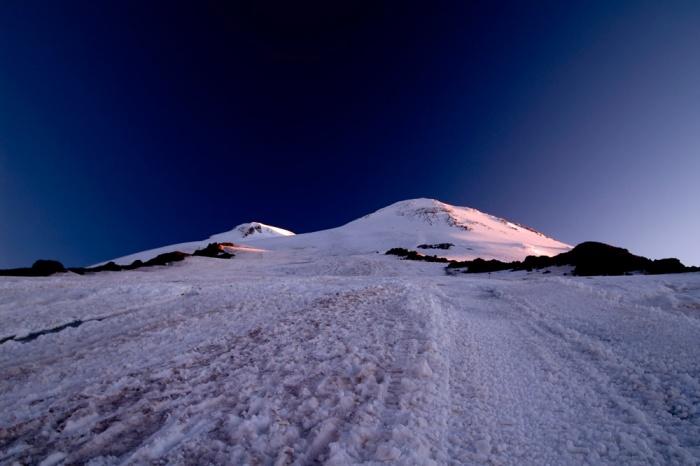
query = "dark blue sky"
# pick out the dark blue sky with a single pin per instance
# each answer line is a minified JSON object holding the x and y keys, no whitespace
{"x":131,"y":125}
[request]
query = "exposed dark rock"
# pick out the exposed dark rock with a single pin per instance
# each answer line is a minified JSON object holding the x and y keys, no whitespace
{"x":480,"y":265}
{"x":661,"y":266}
{"x":592,"y":258}
{"x":40,"y":268}
{"x":165,"y":259}
{"x":108,"y":267}
{"x":23,"y":272}
{"x":47,"y":267}
{"x":251,"y":230}
{"x":135,"y":265}
{"x":415,"y":256}
{"x":589,"y":259}
{"x":214,"y":250}
{"x":435,"y":246}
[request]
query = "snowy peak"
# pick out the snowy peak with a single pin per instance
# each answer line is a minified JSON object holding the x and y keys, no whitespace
{"x":423,"y":223}
{"x":416,"y":223}
{"x":250,"y":231}
{"x":420,"y":223}
{"x":435,"y":213}
{"x":244,"y":233}
{"x":428,"y":211}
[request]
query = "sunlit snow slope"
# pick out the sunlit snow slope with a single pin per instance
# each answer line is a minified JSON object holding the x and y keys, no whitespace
{"x":406,"y":224}
{"x":242,"y":234}
{"x":411,"y":223}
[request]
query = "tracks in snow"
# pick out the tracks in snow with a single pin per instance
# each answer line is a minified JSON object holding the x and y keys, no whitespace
{"x":285,"y":372}
{"x":553,"y":386}
{"x":337,"y":369}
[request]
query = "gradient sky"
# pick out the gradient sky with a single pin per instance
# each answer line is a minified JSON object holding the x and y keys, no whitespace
{"x":131,"y":125}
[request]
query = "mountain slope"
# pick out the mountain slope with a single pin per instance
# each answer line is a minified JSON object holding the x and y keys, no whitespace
{"x":274,"y":360}
{"x":307,"y":350}
{"x":250,"y":231}
{"x":243,"y":233}
{"x":408,"y":224}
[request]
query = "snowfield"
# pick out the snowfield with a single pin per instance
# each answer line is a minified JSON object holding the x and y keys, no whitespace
{"x":284,"y":357}
{"x":319,"y":349}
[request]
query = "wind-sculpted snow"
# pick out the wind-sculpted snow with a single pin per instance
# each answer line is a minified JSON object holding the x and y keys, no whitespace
{"x":280,"y":358}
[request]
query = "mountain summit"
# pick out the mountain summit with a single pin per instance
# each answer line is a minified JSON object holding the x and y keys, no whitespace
{"x":248,"y":231}
{"x":462,"y":233}
{"x":472,"y":233}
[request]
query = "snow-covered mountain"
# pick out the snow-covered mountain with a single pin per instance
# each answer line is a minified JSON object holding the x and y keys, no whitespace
{"x":407,"y":224}
{"x":314,"y":349}
{"x":412,"y":223}
{"x":249,"y":231}
{"x":241,"y":234}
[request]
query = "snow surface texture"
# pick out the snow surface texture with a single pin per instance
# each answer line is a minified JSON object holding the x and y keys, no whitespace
{"x":281,"y":357}
{"x":320,"y":349}
{"x":405,"y":224}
